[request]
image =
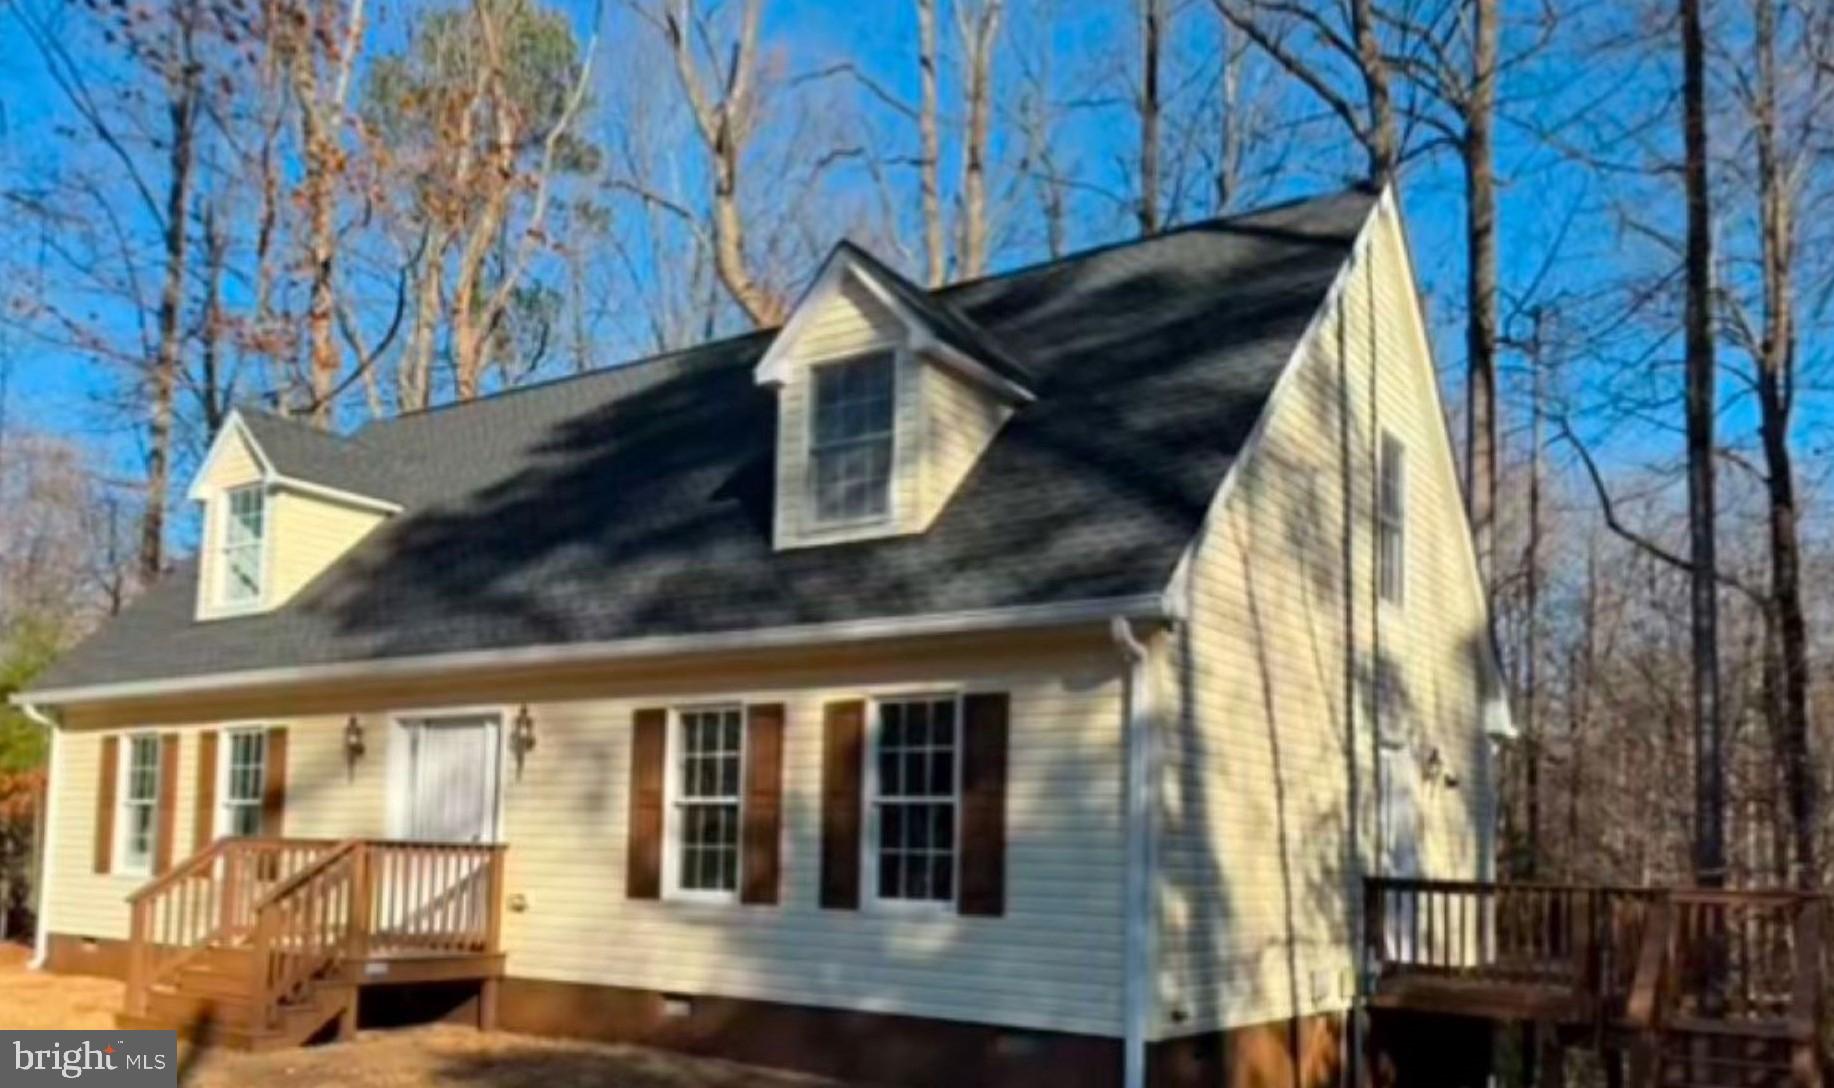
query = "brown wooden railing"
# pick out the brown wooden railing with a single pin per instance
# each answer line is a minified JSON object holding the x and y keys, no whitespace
{"x":208,"y":898}
{"x":305,"y":929}
{"x":302,"y":906}
{"x":1644,"y":961}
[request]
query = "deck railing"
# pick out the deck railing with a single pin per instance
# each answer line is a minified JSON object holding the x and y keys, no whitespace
{"x":302,"y":905}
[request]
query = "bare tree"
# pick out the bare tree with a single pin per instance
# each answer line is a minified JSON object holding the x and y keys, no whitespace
{"x":1701,"y":409}
{"x":978,"y":23}
{"x":722,"y":95}
{"x":929,"y":135}
{"x":1152,"y":37}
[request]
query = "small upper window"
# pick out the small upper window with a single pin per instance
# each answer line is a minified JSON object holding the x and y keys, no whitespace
{"x":914,"y":799}
{"x":1391,"y":520}
{"x":139,"y":802}
{"x":244,"y":530}
{"x":709,"y":753}
{"x":850,"y":452}
{"x":244,"y":783}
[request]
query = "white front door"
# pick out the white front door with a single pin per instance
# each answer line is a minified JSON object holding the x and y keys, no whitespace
{"x":452,"y":780}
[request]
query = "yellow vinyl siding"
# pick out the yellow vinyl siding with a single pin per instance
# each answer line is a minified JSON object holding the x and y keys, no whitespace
{"x":1268,"y":808}
{"x":322,"y":801}
{"x":234,"y":465}
{"x":960,"y":420}
{"x":1052,"y":962}
{"x":306,"y":536}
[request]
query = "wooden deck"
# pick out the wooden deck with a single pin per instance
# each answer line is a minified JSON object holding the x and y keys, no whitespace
{"x":1663,"y":976}
{"x":264,"y":942}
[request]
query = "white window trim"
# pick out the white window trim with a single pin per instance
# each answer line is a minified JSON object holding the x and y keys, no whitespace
{"x":1386,"y":440}
{"x":672,"y":891}
{"x":124,"y":829}
{"x":816,"y":525}
{"x":869,"y":837}
{"x":220,"y":822}
{"x":216,"y":591}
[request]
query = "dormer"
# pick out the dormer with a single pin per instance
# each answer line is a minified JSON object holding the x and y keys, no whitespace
{"x":281,"y":502}
{"x":886,"y":398}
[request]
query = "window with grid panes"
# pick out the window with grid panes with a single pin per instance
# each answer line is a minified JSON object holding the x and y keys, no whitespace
{"x":850,"y":450}
{"x":245,"y":780}
{"x":709,"y":757}
{"x":139,"y":802}
{"x":915,"y":798}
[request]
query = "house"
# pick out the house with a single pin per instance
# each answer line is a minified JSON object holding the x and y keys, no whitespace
{"x":1008,"y":683}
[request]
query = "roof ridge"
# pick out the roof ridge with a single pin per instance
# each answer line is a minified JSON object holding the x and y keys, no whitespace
{"x":1128,"y":243}
{"x":939,"y":295}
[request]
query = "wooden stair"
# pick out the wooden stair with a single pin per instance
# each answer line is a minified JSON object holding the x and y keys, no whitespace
{"x":209,"y":1001}
{"x":262,"y":943}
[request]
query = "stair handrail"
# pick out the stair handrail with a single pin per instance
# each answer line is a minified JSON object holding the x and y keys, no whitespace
{"x":142,"y":902}
{"x":305,"y":927}
{"x":1805,"y":1004}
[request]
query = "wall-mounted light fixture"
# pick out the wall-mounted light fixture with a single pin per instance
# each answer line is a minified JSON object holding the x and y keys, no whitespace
{"x":353,"y":744}
{"x":522,"y":737}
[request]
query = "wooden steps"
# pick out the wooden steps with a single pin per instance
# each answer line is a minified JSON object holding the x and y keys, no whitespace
{"x":209,"y":1001}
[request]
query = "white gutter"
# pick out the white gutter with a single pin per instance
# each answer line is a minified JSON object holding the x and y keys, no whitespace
{"x":1139,"y":793}
{"x":1148,"y":606}
{"x":41,"y":939}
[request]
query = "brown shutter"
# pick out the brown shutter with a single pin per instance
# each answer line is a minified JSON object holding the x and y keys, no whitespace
{"x":643,"y":858}
{"x":204,"y":820}
{"x":105,"y":803}
{"x":843,"y":741}
{"x":274,"y":786}
{"x":166,"y":810}
{"x":763,"y":803}
{"x":983,"y":862}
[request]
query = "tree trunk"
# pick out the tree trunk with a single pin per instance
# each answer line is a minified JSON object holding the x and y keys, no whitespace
{"x":414,"y":379}
{"x":181,"y":112}
{"x":1481,"y":292}
{"x":931,"y":167}
{"x":1709,"y":754}
{"x":979,"y":29}
{"x":1382,"y":142}
{"x":1152,"y":30}
{"x":1775,"y":379}
{"x":320,"y":194}
{"x":214,"y":396}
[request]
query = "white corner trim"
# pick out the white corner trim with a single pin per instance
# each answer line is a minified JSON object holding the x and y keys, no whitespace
{"x":41,"y":944}
{"x":1069,"y":613}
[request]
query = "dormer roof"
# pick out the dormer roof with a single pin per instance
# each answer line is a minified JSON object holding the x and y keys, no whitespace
{"x":297,"y":455}
{"x":938,"y":326}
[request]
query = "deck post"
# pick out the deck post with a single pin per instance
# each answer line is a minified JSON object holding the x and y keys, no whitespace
{"x":362,"y":909}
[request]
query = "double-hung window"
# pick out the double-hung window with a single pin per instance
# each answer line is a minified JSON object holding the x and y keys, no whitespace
{"x":914,"y":799}
{"x":708,"y":769}
{"x":1391,"y":520}
{"x":139,"y":802}
{"x":244,"y":530}
{"x":850,"y":450}
{"x":244,"y":782}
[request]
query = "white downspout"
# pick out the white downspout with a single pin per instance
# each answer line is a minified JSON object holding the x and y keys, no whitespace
{"x":41,"y":946}
{"x":1137,"y":728}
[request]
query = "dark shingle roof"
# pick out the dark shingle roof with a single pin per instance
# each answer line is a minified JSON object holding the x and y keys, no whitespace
{"x":304,"y":452}
{"x":636,"y":501}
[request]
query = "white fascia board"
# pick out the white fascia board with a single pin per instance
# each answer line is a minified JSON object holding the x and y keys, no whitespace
{"x":1101,"y":610}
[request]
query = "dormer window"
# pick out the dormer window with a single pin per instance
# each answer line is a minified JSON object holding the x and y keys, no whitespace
{"x":850,"y":450}
{"x":244,"y":532}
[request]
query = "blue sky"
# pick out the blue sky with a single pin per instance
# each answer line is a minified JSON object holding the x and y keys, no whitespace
{"x":1548,"y":201}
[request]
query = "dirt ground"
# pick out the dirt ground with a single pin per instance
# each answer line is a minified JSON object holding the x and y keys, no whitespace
{"x":429,"y":1057}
